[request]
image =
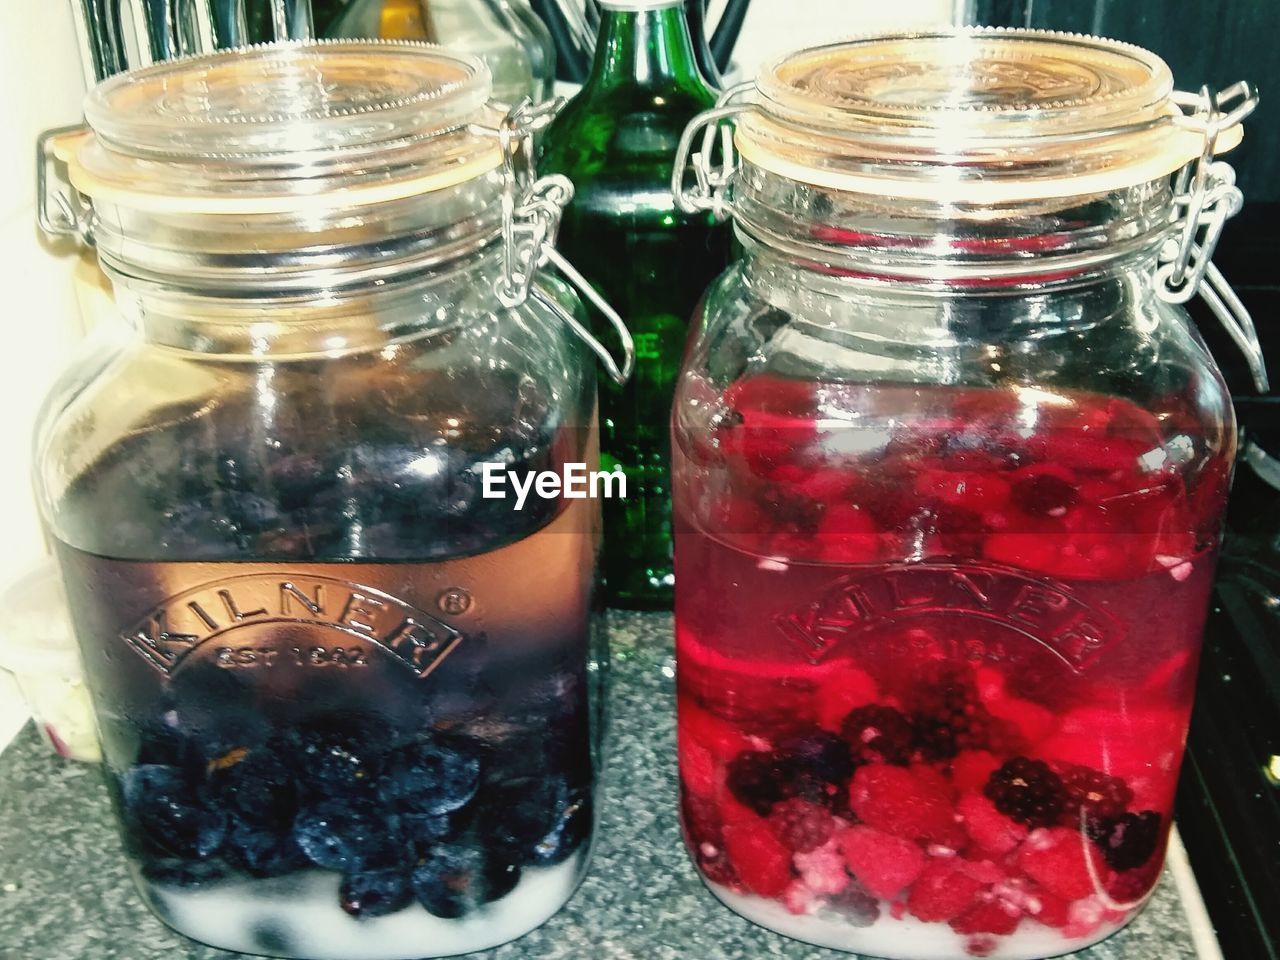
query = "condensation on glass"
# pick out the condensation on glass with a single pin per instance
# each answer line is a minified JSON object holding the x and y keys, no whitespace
{"x":950,"y":472}
{"x":344,"y":699}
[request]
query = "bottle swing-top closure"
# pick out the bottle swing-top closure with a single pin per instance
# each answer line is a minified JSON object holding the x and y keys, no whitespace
{"x":531,"y":206}
{"x":1175,"y":133}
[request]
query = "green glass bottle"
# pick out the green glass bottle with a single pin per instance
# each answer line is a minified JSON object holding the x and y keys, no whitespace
{"x":617,"y":140}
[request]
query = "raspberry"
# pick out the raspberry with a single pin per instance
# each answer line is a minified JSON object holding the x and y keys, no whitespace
{"x":801,"y":824}
{"x":878,"y":733}
{"x":854,"y":906}
{"x":942,"y":892}
{"x":761,"y":861}
{"x":705,"y":837}
{"x":1056,"y":859}
{"x":1027,"y":790}
{"x":822,"y":870}
{"x":885,"y":865}
{"x":1129,"y":840}
{"x":1048,"y":908}
{"x":847,"y":535}
{"x":840,"y":691}
{"x":1130,"y":887}
{"x":1129,"y":741}
{"x":896,"y":801}
{"x":991,"y":917}
{"x":987,"y":826}
{"x":720,"y":738}
{"x":981,"y":945}
{"x":698,"y":769}
{"x":971,"y":769}
{"x":1092,"y":795}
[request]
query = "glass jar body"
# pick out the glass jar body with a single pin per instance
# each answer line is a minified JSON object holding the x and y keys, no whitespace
{"x":342,"y":694}
{"x":943,"y":554}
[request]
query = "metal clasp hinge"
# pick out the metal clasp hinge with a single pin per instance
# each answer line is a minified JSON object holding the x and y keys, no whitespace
{"x":1205,"y":197}
{"x":60,"y":209}
{"x":532,"y":207}
{"x":712,"y":181}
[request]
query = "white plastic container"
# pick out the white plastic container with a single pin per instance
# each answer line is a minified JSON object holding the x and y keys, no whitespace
{"x":37,"y":647}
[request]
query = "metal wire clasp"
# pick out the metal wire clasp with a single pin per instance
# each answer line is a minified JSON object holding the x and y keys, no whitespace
{"x":531,"y":210}
{"x":60,"y":212}
{"x":1205,"y":197}
{"x":710,"y":191}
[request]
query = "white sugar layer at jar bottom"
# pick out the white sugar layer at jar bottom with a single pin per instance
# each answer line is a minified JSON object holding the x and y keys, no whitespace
{"x":306,"y":921}
{"x":908,"y":938}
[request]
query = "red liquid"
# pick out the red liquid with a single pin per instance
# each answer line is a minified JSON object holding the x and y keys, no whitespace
{"x":939,"y":673}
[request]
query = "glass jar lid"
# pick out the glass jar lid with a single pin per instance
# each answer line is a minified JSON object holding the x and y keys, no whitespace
{"x":1007,"y":115}
{"x":263,"y":129}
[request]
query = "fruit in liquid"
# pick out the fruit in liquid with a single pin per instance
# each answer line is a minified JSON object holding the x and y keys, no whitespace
{"x":936,"y":659}
{"x":323,"y":720}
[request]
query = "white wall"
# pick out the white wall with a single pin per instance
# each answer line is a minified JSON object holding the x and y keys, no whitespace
{"x":40,"y":87}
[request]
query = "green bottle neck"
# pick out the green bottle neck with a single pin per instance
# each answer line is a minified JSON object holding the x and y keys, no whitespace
{"x":644,"y":48}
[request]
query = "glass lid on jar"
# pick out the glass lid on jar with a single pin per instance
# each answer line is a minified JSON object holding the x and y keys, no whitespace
{"x":1008,"y":114}
{"x":255,"y":130}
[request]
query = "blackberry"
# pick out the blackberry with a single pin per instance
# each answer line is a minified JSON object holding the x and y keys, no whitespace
{"x":1028,"y":791}
{"x":375,"y":893}
{"x":760,"y":779}
{"x":1043,"y":494}
{"x":802,"y":825}
{"x":1128,"y":841}
{"x":756,"y":778}
{"x":853,"y":905}
{"x":878,"y":734}
{"x":824,"y":754}
{"x":947,"y":715}
{"x":1092,"y":796}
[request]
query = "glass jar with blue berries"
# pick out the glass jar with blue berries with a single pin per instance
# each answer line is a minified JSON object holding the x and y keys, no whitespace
{"x":343,"y":689}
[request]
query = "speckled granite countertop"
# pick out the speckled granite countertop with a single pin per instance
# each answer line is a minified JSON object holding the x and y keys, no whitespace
{"x":65,"y":895}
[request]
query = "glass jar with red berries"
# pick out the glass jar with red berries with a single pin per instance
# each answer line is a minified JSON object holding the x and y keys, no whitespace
{"x":950,"y":471}
{"x":341,"y":674}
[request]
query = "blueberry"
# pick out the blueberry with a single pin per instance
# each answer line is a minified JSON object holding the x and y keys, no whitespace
{"x":375,"y":893}
{"x":571,"y":827}
{"x":258,"y":789}
{"x":183,"y":872}
{"x":263,"y":852}
{"x":299,"y":477}
{"x":423,"y":830}
{"x":430,"y":779}
{"x":272,"y":938}
{"x":250,"y":512}
{"x":236,"y":473}
{"x":520,"y":818}
{"x":168,"y":809}
{"x":196,"y":529}
{"x":337,"y":754}
{"x":455,"y":879}
{"x":346,"y":834}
